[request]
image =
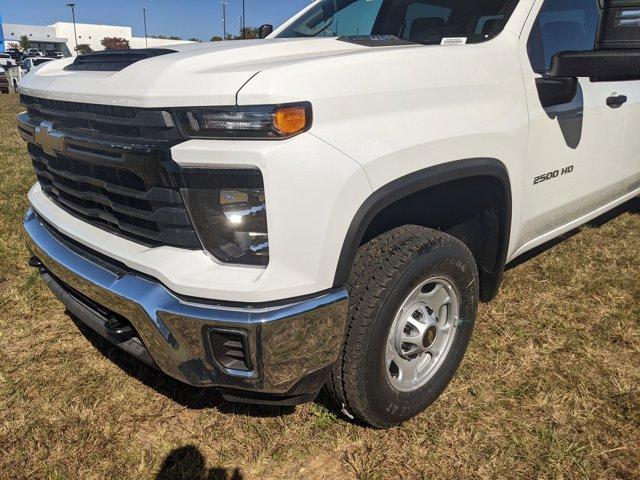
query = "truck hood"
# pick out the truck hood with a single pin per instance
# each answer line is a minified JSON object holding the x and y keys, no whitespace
{"x":197,"y":74}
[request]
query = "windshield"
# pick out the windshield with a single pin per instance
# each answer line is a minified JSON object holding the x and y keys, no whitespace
{"x":420,"y":21}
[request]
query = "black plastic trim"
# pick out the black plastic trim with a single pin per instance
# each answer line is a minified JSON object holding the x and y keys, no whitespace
{"x":598,"y":65}
{"x":619,"y":27}
{"x":376,"y":40}
{"x":216,"y":348}
{"x":422,"y":180}
{"x":94,"y":320}
{"x":304,"y":391}
{"x":556,"y":90}
{"x":114,"y":60}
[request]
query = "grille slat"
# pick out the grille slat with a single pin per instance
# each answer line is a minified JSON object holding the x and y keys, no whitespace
{"x":132,"y":124}
{"x":167,"y":236}
{"x":164,"y":215}
{"x":154,"y":194}
{"x":155,"y":217}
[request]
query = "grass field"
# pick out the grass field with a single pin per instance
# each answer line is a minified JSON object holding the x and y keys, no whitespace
{"x":550,"y":387}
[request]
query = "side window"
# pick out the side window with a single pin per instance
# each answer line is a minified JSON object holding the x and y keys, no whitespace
{"x":562,"y":25}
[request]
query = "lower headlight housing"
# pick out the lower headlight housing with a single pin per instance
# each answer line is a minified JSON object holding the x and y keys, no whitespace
{"x":231,"y":221}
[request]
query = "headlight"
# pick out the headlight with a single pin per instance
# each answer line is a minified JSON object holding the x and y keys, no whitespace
{"x":231,"y":220}
{"x":266,"y":122}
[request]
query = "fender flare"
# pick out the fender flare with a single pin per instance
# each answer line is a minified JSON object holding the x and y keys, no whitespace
{"x":422,"y":180}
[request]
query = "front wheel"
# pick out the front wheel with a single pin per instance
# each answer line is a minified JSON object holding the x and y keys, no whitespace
{"x":413,"y":302}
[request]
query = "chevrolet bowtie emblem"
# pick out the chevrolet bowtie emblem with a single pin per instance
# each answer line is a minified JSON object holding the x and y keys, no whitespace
{"x":49,"y":139}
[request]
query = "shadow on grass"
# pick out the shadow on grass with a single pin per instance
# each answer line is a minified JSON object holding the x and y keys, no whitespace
{"x":195,"y":398}
{"x":188,"y":463}
{"x":632,"y":206}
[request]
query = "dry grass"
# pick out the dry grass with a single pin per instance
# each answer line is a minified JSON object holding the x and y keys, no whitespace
{"x":549,"y":389}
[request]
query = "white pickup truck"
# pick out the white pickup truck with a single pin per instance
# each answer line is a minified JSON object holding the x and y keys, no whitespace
{"x":326,"y":206}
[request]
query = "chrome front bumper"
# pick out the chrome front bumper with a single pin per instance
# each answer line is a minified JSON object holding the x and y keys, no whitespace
{"x":290,"y":344}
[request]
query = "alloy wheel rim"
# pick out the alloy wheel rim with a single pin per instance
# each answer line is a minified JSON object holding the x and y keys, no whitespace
{"x":421,"y":335}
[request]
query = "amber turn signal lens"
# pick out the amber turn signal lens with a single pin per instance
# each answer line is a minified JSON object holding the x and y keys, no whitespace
{"x":290,"y":120}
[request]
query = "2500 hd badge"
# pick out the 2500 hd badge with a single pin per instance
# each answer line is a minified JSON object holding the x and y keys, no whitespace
{"x":552,"y":175}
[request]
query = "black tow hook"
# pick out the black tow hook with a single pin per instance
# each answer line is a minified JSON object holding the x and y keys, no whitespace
{"x":35,"y":263}
{"x":118,"y":327}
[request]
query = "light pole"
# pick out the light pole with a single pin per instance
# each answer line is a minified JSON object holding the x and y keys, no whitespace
{"x":243,"y":22}
{"x":224,"y":20}
{"x":144,"y":14}
{"x":73,"y":14}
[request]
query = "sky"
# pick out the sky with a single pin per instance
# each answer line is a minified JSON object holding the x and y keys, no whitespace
{"x":187,"y":18}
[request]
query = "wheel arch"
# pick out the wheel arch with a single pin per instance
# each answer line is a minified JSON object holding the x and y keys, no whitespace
{"x":423,"y":181}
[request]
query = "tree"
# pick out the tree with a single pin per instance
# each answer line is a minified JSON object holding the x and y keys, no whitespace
{"x":14,"y":46}
{"x":166,"y":37}
{"x":24,"y":43}
{"x":250,"y":33}
{"x":194,"y":39}
{"x":115,"y":43}
{"x":83,"y":48}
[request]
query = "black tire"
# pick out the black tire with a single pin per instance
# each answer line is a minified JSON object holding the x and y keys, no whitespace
{"x":386,"y":269}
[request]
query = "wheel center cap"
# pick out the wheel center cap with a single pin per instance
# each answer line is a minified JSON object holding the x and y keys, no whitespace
{"x":429,"y":337}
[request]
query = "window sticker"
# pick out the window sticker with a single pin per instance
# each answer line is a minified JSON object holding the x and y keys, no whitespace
{"x":449,"y":41}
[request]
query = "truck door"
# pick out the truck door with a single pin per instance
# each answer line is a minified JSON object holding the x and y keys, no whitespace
{"x":629,"y":168}
{"x":620,"y":29}
{"x":573,"y":148}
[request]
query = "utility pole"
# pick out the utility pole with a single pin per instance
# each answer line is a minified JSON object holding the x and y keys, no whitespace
{"x":244,"y":25}
{"x":73,"y":14}
{"x":224,"y":20}
{"x":144,"y":14}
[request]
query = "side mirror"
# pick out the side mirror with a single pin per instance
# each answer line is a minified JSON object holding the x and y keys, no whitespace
{"x":554,"y":91}
{"x":561,"y":85}
{"x":265,"y":30}
{"x":598,"y":65}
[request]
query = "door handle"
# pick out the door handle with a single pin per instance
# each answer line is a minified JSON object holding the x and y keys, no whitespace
{"x":616,"y":101}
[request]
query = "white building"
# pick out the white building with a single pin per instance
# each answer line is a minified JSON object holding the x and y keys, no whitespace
{"x":60,"y":36}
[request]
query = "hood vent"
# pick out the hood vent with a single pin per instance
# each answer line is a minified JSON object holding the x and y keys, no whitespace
{"x":114,"y":60}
